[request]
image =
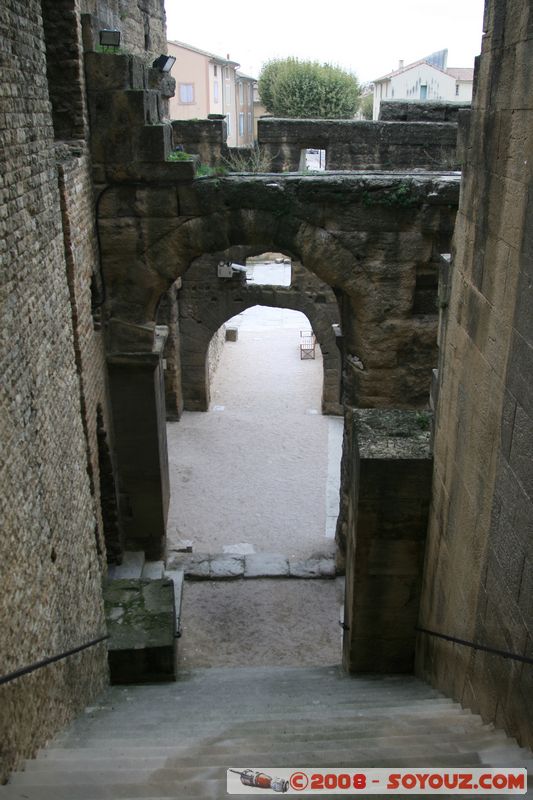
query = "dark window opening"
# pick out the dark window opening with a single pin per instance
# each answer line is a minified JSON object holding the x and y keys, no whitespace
{"x":426,"y":291}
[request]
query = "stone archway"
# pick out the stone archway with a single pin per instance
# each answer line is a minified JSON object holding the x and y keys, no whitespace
{"x":367,"y":236}
{"x":206,"y":302}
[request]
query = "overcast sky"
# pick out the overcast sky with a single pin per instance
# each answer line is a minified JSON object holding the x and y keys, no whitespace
{"x":368,"y":38}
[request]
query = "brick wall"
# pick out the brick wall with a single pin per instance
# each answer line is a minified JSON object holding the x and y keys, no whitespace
{"x":50,"y":570}
{"x":83,"y":270}
{"x":479,"y":565}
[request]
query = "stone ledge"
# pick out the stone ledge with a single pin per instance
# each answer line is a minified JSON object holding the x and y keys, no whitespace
{"x":228,"y":566}
{"x":392,"y":434}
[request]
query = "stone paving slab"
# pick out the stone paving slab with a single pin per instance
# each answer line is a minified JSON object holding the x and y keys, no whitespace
{"x":227,"y":566}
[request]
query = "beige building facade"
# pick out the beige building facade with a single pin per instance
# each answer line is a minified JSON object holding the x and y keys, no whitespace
{"x":210,"y":84}
{"x":422,"y":81}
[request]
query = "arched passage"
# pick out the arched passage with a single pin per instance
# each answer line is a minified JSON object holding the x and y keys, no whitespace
{"x":206,"y":302}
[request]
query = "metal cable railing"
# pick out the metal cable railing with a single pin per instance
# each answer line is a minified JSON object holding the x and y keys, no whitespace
{"x":473,"y":645}
{"x":11,"y":676}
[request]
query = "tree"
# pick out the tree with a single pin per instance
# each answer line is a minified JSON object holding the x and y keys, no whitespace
{"x":367,"y":106}
{"x":307,"y":89}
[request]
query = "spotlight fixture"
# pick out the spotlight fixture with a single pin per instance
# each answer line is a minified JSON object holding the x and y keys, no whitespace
{"x":164,"y":63}
{"x":110,"y":38}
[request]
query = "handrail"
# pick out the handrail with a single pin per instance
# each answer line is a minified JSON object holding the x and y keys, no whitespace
{"x":484,"y":648}
{"x":11,"y":676}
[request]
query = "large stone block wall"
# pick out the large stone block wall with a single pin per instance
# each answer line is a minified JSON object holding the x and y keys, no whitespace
{"x":358,"y":145}
{"x":205,"y":138}
{"x":382,"y":527}
{"x":142,"y":24}
{"x":479,"y":566}
{"x":426,"y":111}
{"x":51,"y":598}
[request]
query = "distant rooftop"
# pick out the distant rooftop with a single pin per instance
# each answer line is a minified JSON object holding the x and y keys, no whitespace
{"x":459,"y":73}
{"x":219,"y":59}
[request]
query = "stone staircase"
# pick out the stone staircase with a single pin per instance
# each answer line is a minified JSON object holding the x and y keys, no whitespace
{"x":177,"y":740}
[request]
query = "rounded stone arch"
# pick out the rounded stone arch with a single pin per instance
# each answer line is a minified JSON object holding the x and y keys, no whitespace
{"x":167,"y":248}
{"x":206,"y":302}
{"x":195,"y":341}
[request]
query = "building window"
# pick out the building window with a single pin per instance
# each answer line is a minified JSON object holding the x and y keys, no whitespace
{"x":249,"y":94}
{"x":215,"y":91}
{"x":241,"y":93}
{"x":228,"y":73}
{"x":249,"y":122}
{"x":228,"y":122}
{"x":456,"y":89}
{"x":228,"y":93}
{"x":215,"y":70}
{"x":241,"y":124}
{"x":186,"y":93}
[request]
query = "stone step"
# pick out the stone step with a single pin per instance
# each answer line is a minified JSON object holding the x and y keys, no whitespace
{"x":153,"y":570}
{"x":121,"y":746}
{"x":226,"y":714}
{"x":197,"y":769}
{"x":227,"y":566}
{"x":121,"y":738}
{"x":131,"y":567}
{"x":132,"y":757}
{"x":477,"y":737}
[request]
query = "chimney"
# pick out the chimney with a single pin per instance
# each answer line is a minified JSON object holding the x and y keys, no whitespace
{"x":227,"y":56}
{"x":400,"y":64}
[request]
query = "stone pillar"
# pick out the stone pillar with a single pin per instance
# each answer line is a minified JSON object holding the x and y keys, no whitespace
{"x":138,"y":403}
{"x":390,"y":487}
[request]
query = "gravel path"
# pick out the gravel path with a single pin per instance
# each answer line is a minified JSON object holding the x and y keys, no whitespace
{"x":263,"y":622}
{"x":252,"y":471}
{"x":253,"y":468}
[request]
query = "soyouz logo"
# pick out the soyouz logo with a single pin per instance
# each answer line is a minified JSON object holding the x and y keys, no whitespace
{"x":486,"y":781}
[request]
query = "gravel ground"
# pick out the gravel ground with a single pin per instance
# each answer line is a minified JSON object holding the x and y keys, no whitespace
{"x":261,"y":622}
{"x":253,"y":468}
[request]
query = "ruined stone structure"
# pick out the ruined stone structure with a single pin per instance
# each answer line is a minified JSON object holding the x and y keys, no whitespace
{"x":206,"y":302}
{"x":360,"y":145}
{"x":98,"y":230}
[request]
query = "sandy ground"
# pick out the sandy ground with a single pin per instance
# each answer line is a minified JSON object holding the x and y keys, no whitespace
{"x":253,"y":468}
{"x":261,"y":622}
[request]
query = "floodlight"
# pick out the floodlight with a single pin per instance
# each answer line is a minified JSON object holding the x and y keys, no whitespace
{"x":164,"y":63}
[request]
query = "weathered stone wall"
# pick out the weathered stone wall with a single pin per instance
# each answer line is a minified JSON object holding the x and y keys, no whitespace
{"x":479,"y":565}
{"x":51,"y":599}
{"x":386,"y":487}
{"x":142,"y":24}
{"x":214,"y":351}
{"x":205,"y":138}
{"x":168,"y":315}
{"x":412,"y":111}
{"x":358,"y":145}
{"x":376,"y":239}
{"x":64,"y":65}
{"x":86,"y":296}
